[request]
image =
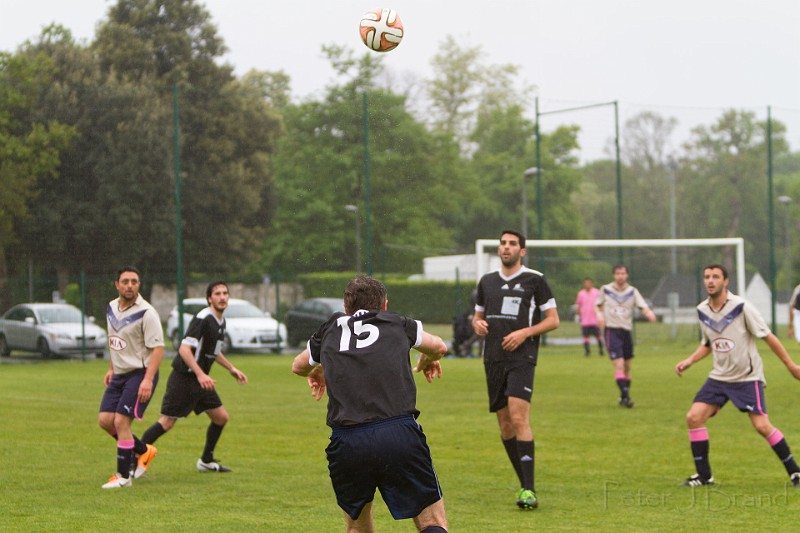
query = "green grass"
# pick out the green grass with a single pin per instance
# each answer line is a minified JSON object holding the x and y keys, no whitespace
{"x":599,"y":467}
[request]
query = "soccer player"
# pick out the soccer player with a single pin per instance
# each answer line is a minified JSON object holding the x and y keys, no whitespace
{"x":363,"y":358}
{"x":190,"y":388}
{"x":584,"y":305}
{"x":136,"y":343}
{"x":514,"y":306}
{"x":729,"y":327}
{"x":615,"y":305}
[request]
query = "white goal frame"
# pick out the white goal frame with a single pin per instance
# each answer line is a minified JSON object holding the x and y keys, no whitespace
{"x":482,"y":262}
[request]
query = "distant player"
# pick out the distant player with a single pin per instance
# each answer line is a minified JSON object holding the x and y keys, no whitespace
{"x":513,"y":308}
{"x":615,"y":306}
{"x":730,"y":326}
{"x":190,"y":388}
{"x":584,"y":307}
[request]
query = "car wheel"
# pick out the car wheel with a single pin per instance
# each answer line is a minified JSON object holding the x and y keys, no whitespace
{"x":228,"y":345}
{"x":4,"y":350}
{"x":43,"y":347}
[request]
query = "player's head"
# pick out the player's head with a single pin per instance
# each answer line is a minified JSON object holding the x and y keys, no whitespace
{"x":128,"y":283}
{"x":217,"y":295}
{"x":620,"y":274}
{"x":587,"y":283}
{"x":715,"y":279}
{"x":364,"y":292}
{"x":512,"y":248}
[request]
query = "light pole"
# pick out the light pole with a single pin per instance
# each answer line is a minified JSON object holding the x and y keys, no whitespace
{"x":354,"y":209}
{"x":786,"y":200}
{"x":533,"y":171}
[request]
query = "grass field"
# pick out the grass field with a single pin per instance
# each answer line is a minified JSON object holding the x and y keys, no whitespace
{"x":599,"y":467}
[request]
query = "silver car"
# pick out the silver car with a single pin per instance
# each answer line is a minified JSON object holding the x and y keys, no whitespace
{"x":248,"y":327}
{"x":50,"y":329}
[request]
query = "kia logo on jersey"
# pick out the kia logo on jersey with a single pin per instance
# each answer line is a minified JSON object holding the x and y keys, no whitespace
{"x":723,"y":345}
{"x":116,"y":343}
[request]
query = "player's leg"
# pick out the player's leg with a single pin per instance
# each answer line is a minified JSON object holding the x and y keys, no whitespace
{"x":696,"y":419}
{"x":777,"y":441}
{"x":362,"y":524}
{"x":585,"y":331}
{"x":207,"y":463}
{"x":520,"y":391}
{"x":432,"y":519}
{"x":498,"y":404}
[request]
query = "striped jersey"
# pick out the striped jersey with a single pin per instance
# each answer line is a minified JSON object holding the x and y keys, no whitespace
{"x":132,"y":334}
{"x":618,"y":305}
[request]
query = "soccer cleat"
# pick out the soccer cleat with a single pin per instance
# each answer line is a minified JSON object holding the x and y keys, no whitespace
{"x":626,"y":402}
{"x":143,"y":461}
{"x":795,"y":480}
{"x":697,"y":481}
{"x":118,"y":482}
{"x":211,"y":466}
{"x":526,"y":499}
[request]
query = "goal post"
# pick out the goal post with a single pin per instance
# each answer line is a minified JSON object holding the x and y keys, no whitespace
{"x":482,"y":262}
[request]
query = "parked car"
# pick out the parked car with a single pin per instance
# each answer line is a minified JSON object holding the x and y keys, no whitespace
{"x":50,"y":329}
{"x":303,"y":319}
{"x":248,"y":327}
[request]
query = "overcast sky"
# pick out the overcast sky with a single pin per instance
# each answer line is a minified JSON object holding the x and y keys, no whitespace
{"x":690,"y":59}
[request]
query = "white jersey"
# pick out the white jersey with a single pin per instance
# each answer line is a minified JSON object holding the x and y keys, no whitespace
{"x":618,"y":305}
{"x":132,"y":334}
{"x":731,"y":334}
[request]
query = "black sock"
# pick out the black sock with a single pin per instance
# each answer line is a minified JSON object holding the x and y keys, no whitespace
{"x":153,"y":433}
{"x":586,"y":347}
{"x":781,"y":449}
{"x":525,"y":450}
{"x":513,"y":455}
{"x":600,"y":346}
{"x":700,"y":449}
{"x":139,"y":447}
{"x":433,"y":529}
{"x":623,"y":384}
{"x":212,"y":436}
{"x":124,"y":458}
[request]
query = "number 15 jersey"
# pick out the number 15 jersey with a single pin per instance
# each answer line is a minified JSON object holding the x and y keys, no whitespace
{"x":367,"y":366}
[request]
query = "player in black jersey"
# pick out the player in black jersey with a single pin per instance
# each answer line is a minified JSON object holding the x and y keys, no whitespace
{"x":362,"y":356}
{"x":508,"y":313}
{"x":190,"y":388}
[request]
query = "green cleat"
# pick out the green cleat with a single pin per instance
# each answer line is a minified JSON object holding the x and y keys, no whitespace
{"x":526,"y":499}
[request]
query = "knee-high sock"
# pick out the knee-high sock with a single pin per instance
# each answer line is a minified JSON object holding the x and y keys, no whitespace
{"x":124,"y":457}
{"x":781,"y":449}
{"x":138,"y":446}
{"x":623,"y":383}
{"x":698,"y":439}
{"x":513,"y":455}
{"x":152,"y":433}
{"x":212,"y":436}
{"x":526,"y":463}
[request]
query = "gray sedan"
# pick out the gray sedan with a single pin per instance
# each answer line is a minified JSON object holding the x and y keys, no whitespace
{"x":50,"y":329}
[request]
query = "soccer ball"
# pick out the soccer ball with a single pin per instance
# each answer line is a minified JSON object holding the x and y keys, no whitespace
{"x":381,"y":29}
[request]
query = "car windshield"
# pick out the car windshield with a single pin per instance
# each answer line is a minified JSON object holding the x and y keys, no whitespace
{"x":243,"y":310}
{"x":58,"y":315}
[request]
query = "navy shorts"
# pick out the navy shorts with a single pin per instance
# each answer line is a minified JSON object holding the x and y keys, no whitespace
{"x":619,"y":343}
{"x":508,"y":378}
{"x":590,"y":331}
{"x":391,"y":455}
{"x":121,"y":395}
{"x":184,"y":395}
{"x":747,"y":396}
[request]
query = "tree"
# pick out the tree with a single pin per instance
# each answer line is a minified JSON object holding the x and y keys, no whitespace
{"x":30,"y":148}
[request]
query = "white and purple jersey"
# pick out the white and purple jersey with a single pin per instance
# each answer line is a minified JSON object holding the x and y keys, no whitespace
{"x":618,"y":305}
{"x":731,"y":333}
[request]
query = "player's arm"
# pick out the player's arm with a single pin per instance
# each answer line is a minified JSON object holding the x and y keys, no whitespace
{"x":237,"y":374}
{"x":513,"y":340}
{"x":479,"y":324}
{"x":701,"y":351}
{"x":599,"y":315}
{"x":778,"y":349}
{"x":791,"y":319}
{"x":302,"y":366}
{"x":649,"y":314}
{"x":431,"y":349}
{"x":146,"y":387}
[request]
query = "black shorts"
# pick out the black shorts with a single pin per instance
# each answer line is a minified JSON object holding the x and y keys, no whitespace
{"x":590,"y":331}
{"x":508,"y":378}
{"x":747,"y":396}
{"x":619,"y":343}
{"x":122,"y":394}
{"x":184,"y":395}
{"x":391,"y":455}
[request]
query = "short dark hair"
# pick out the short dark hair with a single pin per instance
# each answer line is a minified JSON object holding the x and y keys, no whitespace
{"x":618,"y":266}
{"x":720,"y":267}
{"x":364,"y":292}
{"x":128,"y":268}
{"x":212,"y":286}
{"x":517,"y":234}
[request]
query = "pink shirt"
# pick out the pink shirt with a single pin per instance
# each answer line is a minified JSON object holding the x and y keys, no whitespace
{"x":585,"y":303}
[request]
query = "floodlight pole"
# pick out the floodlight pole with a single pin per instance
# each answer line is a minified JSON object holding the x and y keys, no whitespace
{"x":367,"y":193}
{"x":354,"y":209}
{"x":178,"y":220}
{"x":771,"y":216}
